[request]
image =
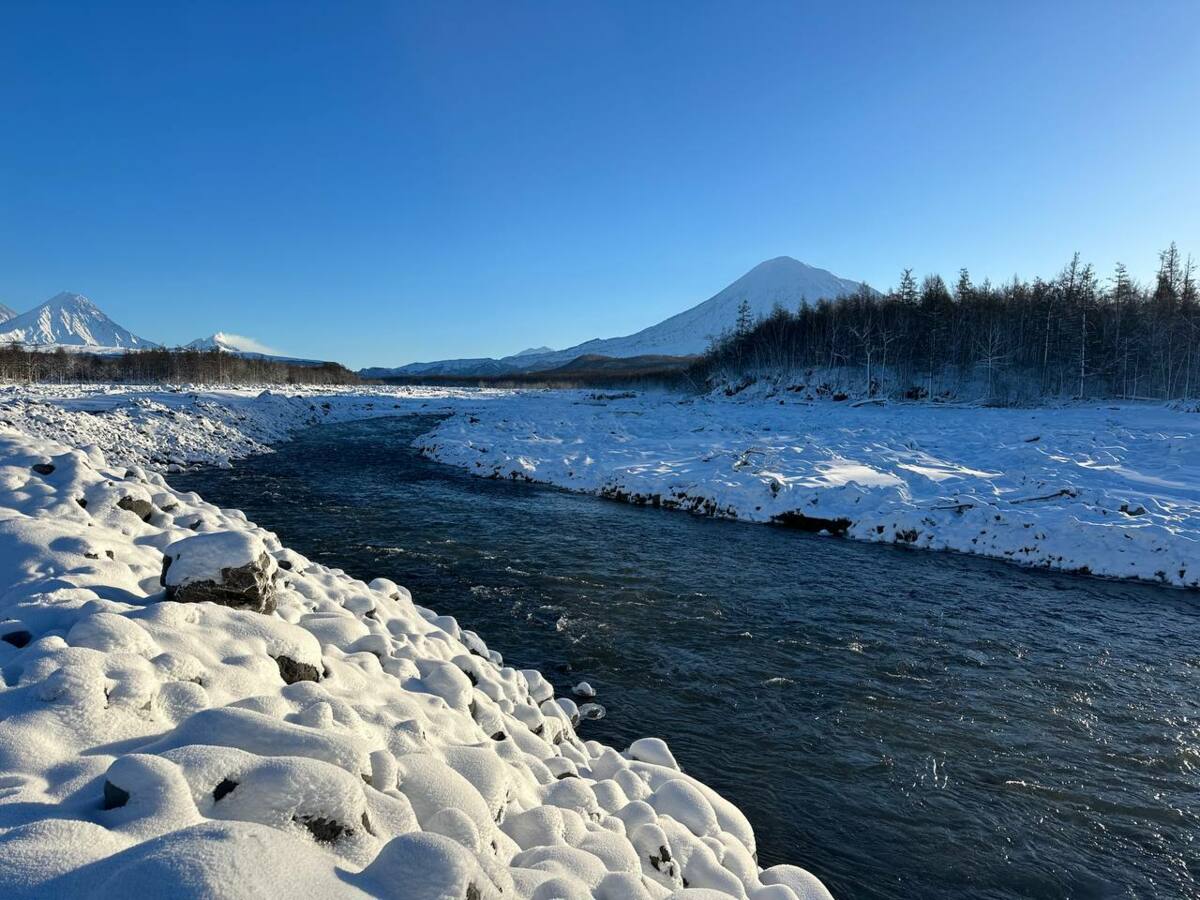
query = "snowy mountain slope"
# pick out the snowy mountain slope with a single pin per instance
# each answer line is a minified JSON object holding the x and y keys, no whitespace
{"x":6,"y":313}
{"x":245,"y":347}
{"x":229,"y":343}
{"x":70,"y":320}
{"x":782,"y":281}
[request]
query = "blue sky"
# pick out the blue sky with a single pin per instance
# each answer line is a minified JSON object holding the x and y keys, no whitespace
{"x":384,"y":182}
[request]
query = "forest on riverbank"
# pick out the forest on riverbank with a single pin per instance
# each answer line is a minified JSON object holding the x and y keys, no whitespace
{"x":1074,"y":336}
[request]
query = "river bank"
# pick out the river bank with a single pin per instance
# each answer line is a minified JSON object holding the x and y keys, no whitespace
{"x":303,"y":726}
{"x":948,"y":724}
{"x":1104,"y":490}
{"x":1100,"y":489}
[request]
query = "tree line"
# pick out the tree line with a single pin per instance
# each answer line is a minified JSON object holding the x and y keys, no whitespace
{"x":1076,"y":335}
{"x":19,"y":363}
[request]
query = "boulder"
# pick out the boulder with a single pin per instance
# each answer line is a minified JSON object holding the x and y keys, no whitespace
{"x":230,"y":568}
{"x":291,"y":671}
{"x":143,"y":509}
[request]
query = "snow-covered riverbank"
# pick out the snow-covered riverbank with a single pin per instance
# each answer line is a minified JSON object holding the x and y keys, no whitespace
{"x":1103,"y":489}
{"x":1110,"y":490}
{"x":304,"y":733}
{"x":313,"y":727}
{"x":164,"y":429}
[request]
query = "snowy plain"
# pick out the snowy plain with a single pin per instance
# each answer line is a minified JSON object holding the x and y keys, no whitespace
{"x":335,"y":740}
{"x":418,"y":764}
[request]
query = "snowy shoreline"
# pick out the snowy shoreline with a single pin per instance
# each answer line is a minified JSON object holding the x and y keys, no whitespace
{"x":1096,"y":489}
{"x":1090,"y":489}
{"x":303,"y":729}
{"x":375,"y":743}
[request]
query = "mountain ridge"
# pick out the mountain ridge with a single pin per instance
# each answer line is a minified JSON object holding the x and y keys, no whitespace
{"x":70,"y":320}
{"x":246,"y":348}
{"x":782,"y":281}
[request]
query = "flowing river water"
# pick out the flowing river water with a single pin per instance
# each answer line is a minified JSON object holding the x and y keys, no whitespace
{"x":905,"y":724}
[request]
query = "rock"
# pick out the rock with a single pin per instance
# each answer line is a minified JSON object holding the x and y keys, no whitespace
{"x":223,"y":789}
{"x":654,"y":751}
{"x":17,"y":638}
{"x":583,"y":689}
{"x":43,"y":468}
{"x":326,"y":831}
{"x":592,"y":711}
{"x":140,"y":508}
{"x":230,"y":568}
{"x":114,"y":796}
{"x":291,"y":671}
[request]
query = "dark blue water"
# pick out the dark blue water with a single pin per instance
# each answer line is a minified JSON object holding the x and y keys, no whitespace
{"x":905,"y":724}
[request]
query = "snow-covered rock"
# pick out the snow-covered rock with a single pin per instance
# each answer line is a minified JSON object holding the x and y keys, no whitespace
{"x":230,"y":568}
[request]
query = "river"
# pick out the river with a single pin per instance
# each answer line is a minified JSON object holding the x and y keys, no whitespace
{"x":903,"y":723}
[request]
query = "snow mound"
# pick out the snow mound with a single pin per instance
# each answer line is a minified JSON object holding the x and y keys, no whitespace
{"x":350,"y":741}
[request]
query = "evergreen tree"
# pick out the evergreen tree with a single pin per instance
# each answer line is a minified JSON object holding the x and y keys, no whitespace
{"x":963,"y":290}
{"x":907,"y":291}
{"x":744,"y":321}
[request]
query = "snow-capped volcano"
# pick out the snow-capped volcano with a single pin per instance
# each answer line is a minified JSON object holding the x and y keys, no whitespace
{"x":781,"y":281}
{"x":70,"y":320}
{"x":230,"y":343}
{"x":245,"y":347}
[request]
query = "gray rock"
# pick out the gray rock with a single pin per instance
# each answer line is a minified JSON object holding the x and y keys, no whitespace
{"x":140,"y":508}
{"x":114,"y":797}
{"x":291,"y":671}
{"x":193,"y":572}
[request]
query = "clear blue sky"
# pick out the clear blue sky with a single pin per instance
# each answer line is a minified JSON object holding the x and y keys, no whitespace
{"x":384,"y":182}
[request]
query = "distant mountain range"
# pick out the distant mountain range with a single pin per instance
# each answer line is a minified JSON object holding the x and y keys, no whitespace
{"x":782,"y":281}
{"x":75,"y":323}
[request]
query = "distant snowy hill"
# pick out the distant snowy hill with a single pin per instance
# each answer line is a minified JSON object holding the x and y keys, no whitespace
{"x":248,"y":348}
{"x":478,"y":366}
{"x":229,"y":343}
{"x":782,"y":281}
{"x":71,"y":321}
{"x":6,"y":313}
